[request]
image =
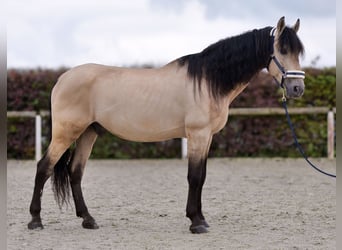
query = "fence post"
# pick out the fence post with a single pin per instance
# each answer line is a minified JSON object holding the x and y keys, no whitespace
{"x":38,"y":147}
{"x":331,"y":135}
{"x":184,"y":148}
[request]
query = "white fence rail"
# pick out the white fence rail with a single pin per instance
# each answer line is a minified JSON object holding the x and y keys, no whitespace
{"x":232,"y":112}
{"x":38,"y":127}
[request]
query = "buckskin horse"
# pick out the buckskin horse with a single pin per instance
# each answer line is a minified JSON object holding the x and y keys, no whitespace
{"x":189,"y":97}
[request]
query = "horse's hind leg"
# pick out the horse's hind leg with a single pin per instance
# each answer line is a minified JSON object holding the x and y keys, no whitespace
{"x":84,"y":145}
{"x":57,"y":152}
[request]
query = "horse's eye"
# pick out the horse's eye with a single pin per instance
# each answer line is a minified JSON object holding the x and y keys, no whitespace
{"x":283,"y":51}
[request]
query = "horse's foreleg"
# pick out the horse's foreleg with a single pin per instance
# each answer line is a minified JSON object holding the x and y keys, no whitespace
{"x":196,"y":178}
{"x":199,"y":204}
{"x":198,"y":146}
{"x":82,"y":152}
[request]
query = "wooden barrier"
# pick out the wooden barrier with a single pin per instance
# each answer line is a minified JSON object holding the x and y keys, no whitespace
{"x":232,"y":112}
{"x":292,"y":111}
{"x":277,"y":111}
{"x":331,"y":135}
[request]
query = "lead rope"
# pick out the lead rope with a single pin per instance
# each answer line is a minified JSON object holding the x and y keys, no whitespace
{"x":298,"y":146}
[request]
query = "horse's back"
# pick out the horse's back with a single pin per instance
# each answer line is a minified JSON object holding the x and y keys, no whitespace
{"x":136,"y":104}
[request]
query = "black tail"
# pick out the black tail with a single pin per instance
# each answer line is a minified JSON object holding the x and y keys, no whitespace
{"x":60,"y":179}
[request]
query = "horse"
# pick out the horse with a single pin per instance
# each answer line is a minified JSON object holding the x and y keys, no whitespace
{"x":186,"y":98}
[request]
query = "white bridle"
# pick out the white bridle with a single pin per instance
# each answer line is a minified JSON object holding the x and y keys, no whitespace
{"x":297,"y":74}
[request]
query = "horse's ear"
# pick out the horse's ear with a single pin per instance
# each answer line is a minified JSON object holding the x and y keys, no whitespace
{"x":296,"y":26}
{"x":281,"y":25}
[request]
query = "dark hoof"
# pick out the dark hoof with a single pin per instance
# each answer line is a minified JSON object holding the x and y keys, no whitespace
{"x":89,"y":224}
{"x":200,"y":229}
{"x":35,"y":224}
{"x":204,"y":223}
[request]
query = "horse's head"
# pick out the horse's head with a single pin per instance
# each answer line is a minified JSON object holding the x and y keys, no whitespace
{"x":284,"y":62}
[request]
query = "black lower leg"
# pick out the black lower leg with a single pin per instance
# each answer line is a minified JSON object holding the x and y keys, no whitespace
{"x":199,"y":198}
{"x":41,"y":177}
{"x":81,"y":208}
{"x":196,"y":177}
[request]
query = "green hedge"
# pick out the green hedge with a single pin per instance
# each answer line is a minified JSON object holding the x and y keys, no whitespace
{"x":243,"y":136}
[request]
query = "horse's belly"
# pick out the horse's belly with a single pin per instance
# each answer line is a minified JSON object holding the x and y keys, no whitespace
{"x":146,"y":135}
{"x":143,"y":130}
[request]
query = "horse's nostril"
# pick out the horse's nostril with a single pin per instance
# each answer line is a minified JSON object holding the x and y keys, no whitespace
{"x":295,"y":88}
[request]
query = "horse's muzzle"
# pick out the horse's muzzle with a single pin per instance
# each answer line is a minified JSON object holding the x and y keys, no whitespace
{"x":294,"y":88}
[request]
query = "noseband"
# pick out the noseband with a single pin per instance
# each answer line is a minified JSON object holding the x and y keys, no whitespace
{"x":296,"y":74}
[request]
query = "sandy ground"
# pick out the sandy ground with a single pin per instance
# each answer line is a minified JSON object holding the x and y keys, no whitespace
{"x":140,"y":204}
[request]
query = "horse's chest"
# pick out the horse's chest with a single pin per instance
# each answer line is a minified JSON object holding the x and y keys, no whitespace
{"x":220,"y":112}
{"x":220,"y":120}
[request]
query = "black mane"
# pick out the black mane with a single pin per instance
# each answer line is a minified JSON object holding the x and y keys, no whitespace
{"x":235,"y":60}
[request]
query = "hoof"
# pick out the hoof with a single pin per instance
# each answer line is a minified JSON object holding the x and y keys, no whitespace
{"x":205,"y":224}
{"x":89,"y":224}
{"x":200,"y":229}
{"x":35,"y":224}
